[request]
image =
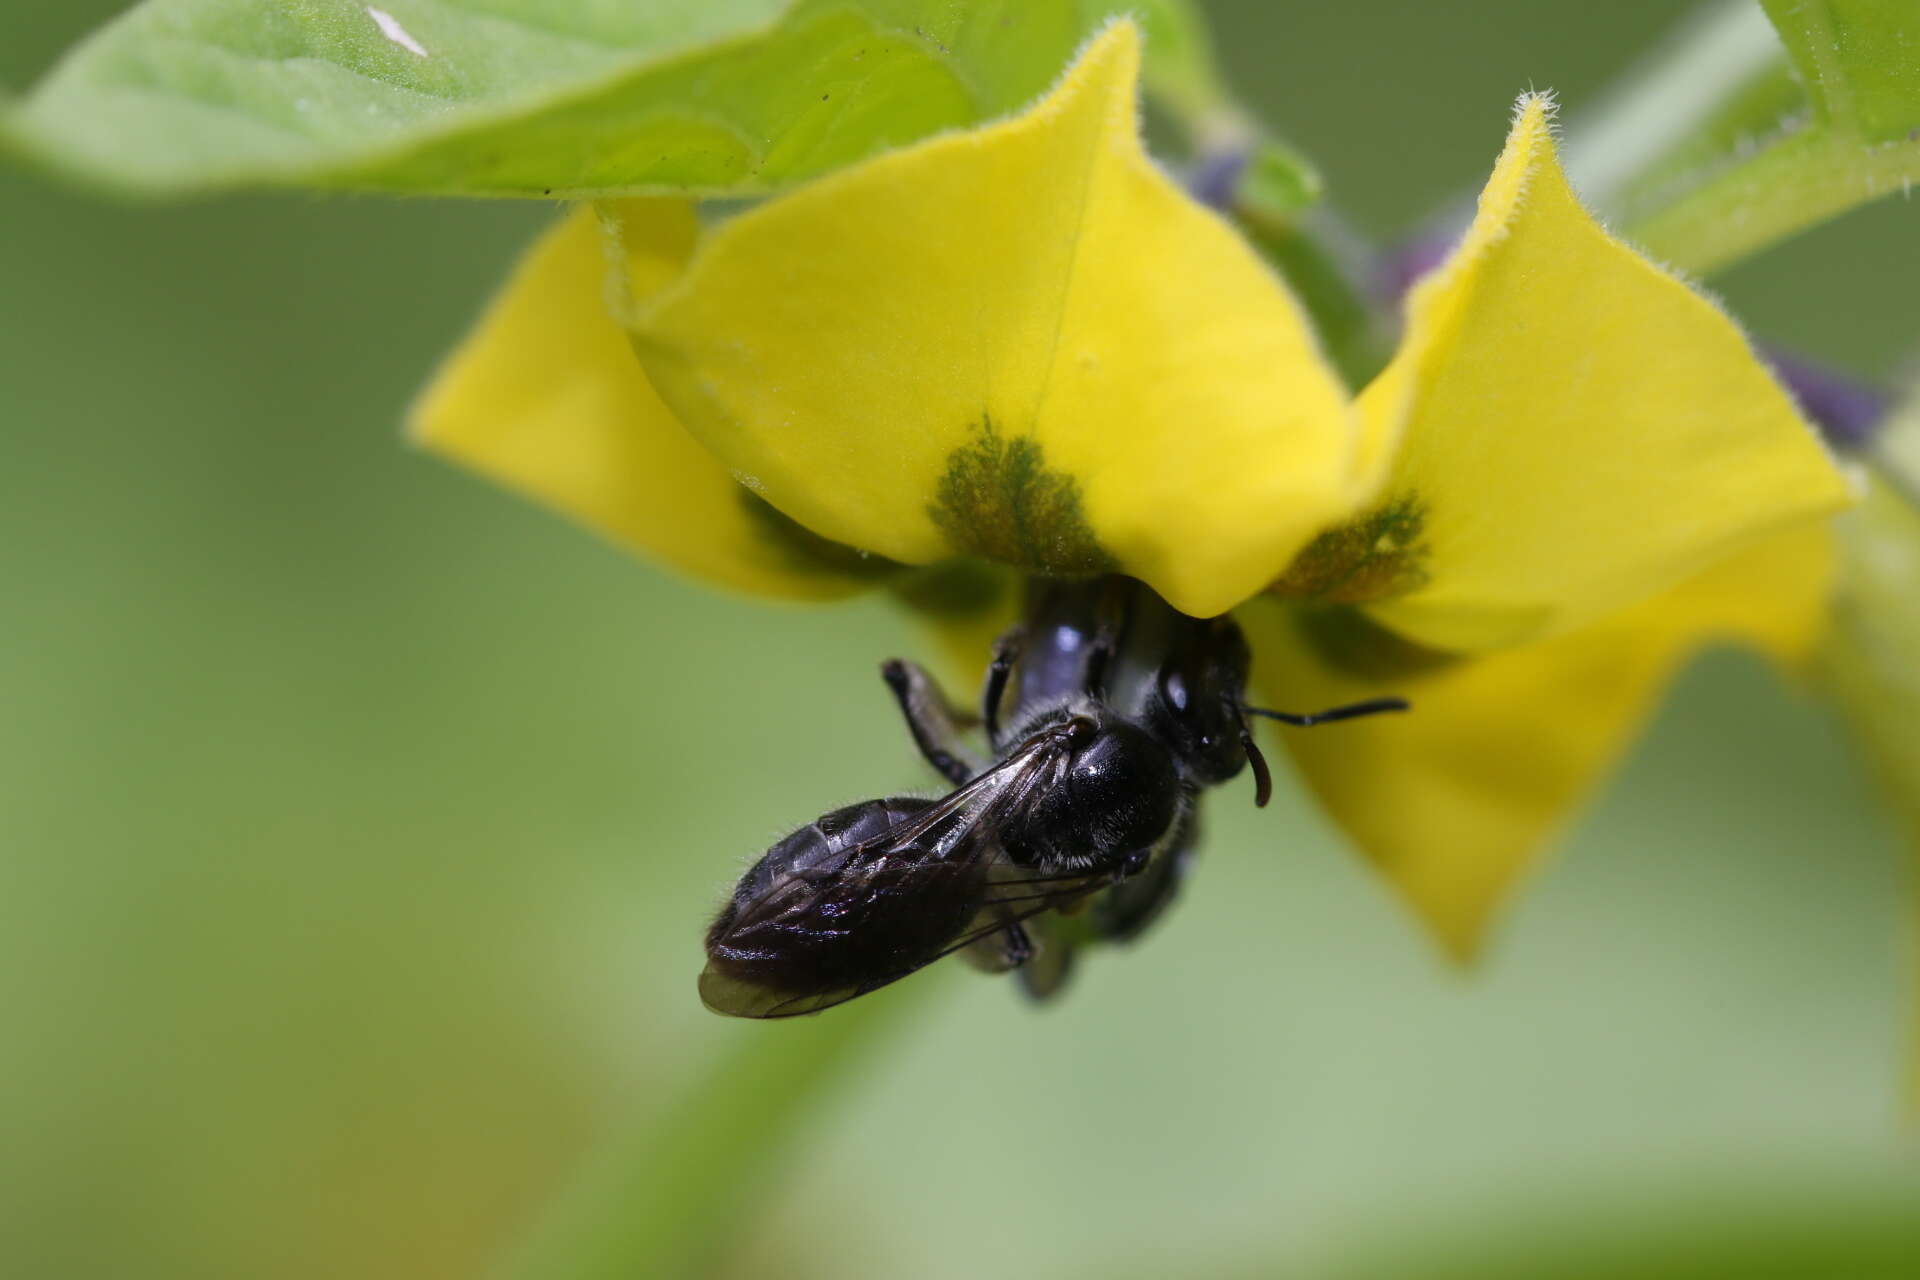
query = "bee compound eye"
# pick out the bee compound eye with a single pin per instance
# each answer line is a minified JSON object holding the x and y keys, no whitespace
{"x":1197,"y":714}
{"x":1173,"y":687}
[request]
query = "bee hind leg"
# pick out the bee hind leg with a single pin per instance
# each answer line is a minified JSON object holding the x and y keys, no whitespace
{"x":1045,"y":973}
{"x":1041,"y":960}
{"x":1001,"y":951}
{"x":1124,"y":912}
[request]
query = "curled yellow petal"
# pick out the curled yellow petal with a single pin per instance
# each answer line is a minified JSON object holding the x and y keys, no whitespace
{"x":1455,"y":800}
{"x":1023,"y":343}
{"x":1581,"y":429}
{"x":546,"y":396}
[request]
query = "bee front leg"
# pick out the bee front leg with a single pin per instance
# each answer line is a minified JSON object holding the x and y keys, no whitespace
{"x":931,"y":719}
{"x":1006,"y":652}
{"x":1114,"y":613}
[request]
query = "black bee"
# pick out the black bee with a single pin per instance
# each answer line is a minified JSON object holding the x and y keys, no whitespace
{"x":1107,"y":712}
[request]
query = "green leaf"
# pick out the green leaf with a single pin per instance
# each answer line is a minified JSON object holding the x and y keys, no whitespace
{"x":1859,"y":60}
{"x":560,"y":98}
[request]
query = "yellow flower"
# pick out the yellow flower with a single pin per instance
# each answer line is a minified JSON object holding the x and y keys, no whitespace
{"x":1025,"y":344}
{"x":1454,"y":802}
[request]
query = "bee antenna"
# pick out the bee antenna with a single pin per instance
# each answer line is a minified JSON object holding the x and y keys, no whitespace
{"x":1262,"y":776}
{"x":1372,"y":706}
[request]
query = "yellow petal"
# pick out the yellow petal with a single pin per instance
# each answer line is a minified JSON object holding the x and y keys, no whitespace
{"x":1872,"y":658}
{"x":1454,"y":800}
{"x":1022,"y":342}
{"x":1581,"y":429}
{"x":546,"y":397}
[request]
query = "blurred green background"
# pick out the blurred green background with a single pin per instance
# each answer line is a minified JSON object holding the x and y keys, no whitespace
{"x":360,"y":824}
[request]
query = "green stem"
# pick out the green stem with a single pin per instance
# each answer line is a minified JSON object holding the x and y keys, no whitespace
{"x":1797,"y":182}
{"x":664,"y":1200}
{"x":1354,"y":334}
{"x":1672,"y":97}
{"x":1269,"y":189}
{"x":1710,"y":152}
{"x":1896,"y":452}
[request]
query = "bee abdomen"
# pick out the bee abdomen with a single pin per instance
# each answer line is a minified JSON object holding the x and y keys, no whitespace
{"x":813,"y":917}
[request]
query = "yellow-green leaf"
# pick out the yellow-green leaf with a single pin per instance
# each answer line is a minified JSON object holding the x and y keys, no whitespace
{"x":1859,"y":61}
{"x":528,"y":97}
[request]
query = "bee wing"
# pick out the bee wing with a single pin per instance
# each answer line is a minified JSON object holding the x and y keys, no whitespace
{"x":887,"y":906}
{"x":1006,"y":903}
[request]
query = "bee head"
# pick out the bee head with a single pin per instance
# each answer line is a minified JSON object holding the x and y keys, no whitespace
{"x":1194,"y":705}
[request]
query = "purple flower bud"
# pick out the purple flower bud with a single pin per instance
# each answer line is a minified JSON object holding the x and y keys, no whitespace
{"x":1847,"y":411}
{"x":1402,"y":268}
{"x":1215,"y":177}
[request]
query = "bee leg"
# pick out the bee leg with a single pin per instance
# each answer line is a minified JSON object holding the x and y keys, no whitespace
{"x":935,"y":727}
{"x":1019,"y":945}
{"x":1123,"y":912}
{"x":1115,"y":613}
{"x":998,"y":952}
{"x":1047,"y":971}
{"x":1106,"y":643}
{"x":1006,"y":652}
